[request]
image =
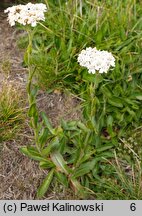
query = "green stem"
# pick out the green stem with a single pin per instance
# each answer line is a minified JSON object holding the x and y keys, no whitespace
{"x":31,"y":98}
{"x":93,"y":101}
{"x":92,"y":98}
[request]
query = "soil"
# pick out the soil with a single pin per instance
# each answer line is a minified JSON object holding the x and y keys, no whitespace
{"x":20,"y":176}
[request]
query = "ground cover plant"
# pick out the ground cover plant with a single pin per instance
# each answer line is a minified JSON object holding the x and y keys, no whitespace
{"x":81,"y":154}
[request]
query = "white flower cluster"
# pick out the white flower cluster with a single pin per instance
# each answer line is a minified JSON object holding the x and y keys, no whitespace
{"x":96,"y":60}
{"x":28,"y":14}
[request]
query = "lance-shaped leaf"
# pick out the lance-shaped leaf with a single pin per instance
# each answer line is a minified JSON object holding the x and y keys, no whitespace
{"x":114,"y":101}
{"x":43,"y":137}
{"x":104,"y":147}
{"x":88,"y":155}
{"x":46,"y":164}
{"x":109,"y":121}
{"x":33,"y":153}
{"x":54,"y":144}
{"x":45,"y":184}
{"x":138,"y":96}
{"x":33,"y":110}
{"x":84,"y":168}
{"x":82,"y":126}
{"x":62,"y":178}
{"x":60,"y":163}
{"x":71,"y":126}
{"x":47,"y":123}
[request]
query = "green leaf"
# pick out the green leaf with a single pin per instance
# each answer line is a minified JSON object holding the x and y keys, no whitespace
{"x":109,"y":120}
{"x":106,"y":91}
{"x":57,"y":42}
{"x":45,"y":184}
{"x":82,"y":126}
{"x":99,"y":36}
{"x":43,"y":137}
{"x":46,"y":164}
{"x":34,"y":90}
{"x":88,"y":155}
{"x":86,"y":182}
{"x":122,"y":33}
{"x":33,"y":93}
{"x":104,"y":148}
{"x":32,"y":152}
{"x":139,"y":97}
{"x":64,"y":124}
{"x":62,"y":178}
{"x":70,"y":126}
{"x":84,"y":168}
{"x":125,"y":43}
{"x":115,"y":102}
{"x":74,"y":156}
{"x":54,"y":144}
{"x":33,"y":110}
{"x":26,"y":57}
{"x":108,"y":154}
{"x":75,"y":133}
{"x":117,"y":91}
{"x":131,"y":112}
{"x":47,"y":123}
{"x":60,"y":163}
{"x":94,"y":78}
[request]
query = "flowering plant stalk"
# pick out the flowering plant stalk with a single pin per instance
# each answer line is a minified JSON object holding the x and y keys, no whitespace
{"x":97,"y":62}
{"x":49,"y":155}
{"x":26,"y":15}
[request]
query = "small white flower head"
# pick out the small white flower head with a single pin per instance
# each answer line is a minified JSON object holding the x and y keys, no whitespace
{"x":96,"y":60}
{"x":28,"y":14}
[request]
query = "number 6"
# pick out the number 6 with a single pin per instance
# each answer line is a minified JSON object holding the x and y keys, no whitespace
{"x":133,"y":206}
